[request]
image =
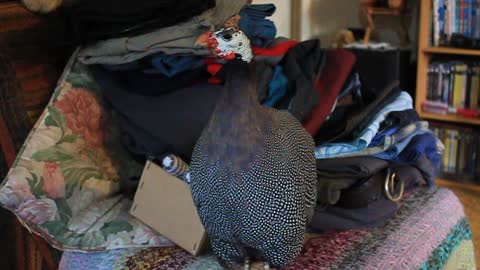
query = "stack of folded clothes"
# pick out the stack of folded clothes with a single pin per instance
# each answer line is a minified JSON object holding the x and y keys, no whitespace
{"x":369,"y":153}
{"x":164,"y":87}
{"x":371,"y":148}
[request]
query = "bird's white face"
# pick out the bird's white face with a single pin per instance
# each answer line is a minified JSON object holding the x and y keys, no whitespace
{"x":228,"y":43}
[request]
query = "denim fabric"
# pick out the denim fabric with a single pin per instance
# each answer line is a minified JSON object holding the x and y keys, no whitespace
{"x":404,"y":133}
{"x":171,"y":65}
{"x":277,"y":87}
{"x":402,"y":102}
{"x":346,"y":126}
{"x":394,"y":121}
{"x":390,"y":141}
{"x":397,"y":148}
{"x":379,"y":138}
{"x":177,"y":39}
{"x":254,"y":24}
{"x":168,"y":65}
{"x":419,"y":145}
{"x":259,"y":11}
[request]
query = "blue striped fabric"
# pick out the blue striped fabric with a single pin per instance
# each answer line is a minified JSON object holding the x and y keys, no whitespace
{"x":402,"y":102}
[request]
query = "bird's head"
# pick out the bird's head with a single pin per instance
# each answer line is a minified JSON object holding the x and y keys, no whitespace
{"x":228,"y":43}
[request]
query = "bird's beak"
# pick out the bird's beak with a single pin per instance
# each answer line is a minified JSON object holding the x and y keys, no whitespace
{"x":203,"y":39}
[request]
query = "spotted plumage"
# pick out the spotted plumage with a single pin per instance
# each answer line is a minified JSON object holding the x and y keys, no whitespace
{"x":253,"y":174}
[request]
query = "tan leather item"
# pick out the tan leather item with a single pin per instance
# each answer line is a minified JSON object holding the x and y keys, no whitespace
{"x":396,"y":4}
{"x":368,"y":3}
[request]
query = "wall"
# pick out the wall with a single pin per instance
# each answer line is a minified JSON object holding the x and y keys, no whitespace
{"x":324,"y":18}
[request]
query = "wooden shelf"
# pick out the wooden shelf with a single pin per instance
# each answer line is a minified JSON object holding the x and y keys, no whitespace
{"x":425,"y":54}
{"x":454,"y":184}
{"x":450,"y":118}
{"x":448,"y":50}
{"x":383,"y":11}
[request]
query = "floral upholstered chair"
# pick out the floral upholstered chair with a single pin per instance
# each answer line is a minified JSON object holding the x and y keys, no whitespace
{"x":33,"y":53}
{"x":66,"y":183}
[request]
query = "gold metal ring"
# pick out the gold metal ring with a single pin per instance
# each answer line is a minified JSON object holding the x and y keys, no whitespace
{"x":389,"y":186}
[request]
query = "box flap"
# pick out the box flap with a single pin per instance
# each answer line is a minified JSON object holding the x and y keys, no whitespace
{"x":165,"y":203}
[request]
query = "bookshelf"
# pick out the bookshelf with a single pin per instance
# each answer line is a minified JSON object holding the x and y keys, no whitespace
{"x":452,"y":118}
{"x":425,"y":53}
{"x":455,"y":51}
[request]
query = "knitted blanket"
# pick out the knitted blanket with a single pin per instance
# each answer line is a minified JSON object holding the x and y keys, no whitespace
{"x":429,"y":232}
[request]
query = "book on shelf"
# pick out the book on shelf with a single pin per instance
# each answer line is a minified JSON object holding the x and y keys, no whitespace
{"x":450,"y":17}
{"x":453,"y":87}
{"x":461,"y":156}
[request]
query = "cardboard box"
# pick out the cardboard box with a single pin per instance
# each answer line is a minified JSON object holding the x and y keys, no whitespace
{"x":165,"y":203}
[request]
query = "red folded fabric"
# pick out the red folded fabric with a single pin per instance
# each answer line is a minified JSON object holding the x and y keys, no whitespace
{"x":276,"y":50}
{"x":338,"y":66}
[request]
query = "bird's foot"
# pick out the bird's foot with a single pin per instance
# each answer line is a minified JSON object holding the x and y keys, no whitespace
{"x":266,"y":266}
{"x":247,"y":264}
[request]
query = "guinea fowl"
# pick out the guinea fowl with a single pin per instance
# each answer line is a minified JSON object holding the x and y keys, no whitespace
{"x":253,"y":172}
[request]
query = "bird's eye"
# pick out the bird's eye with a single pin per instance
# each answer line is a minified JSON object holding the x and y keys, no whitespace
{"x":227,"y":37}
{"x":240,"y":44}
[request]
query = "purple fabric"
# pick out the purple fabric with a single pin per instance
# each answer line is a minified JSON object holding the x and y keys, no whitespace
{"x":420,"y":144}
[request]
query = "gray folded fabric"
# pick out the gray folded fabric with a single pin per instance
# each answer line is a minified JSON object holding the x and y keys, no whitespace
{"x":177,"y":39}
{"x":352,"y":167}
{"x":337,"y":174}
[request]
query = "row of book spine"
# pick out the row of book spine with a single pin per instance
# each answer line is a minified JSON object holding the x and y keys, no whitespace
{"x":454,"y":16}
{"x":453,"y":87}
{"x":462,"y":151}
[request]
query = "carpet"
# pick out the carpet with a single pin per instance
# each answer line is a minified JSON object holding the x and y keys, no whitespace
{"x":469,"y":196}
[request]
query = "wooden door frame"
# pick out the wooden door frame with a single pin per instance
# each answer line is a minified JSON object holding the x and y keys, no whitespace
{"x":296,"y":19}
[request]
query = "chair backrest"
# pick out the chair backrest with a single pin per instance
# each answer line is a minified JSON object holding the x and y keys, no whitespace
{"x":67,"y":180}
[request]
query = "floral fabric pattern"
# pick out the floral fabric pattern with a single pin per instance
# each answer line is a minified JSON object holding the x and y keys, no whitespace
{"x":66,"y":182}
{"x":54,"y":185}
{"x":82,"y":113}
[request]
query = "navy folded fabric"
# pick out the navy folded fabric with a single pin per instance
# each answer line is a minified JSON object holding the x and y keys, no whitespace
{"x":254,"y":24}
{"x":419,"y":145}
{"x":152,"y":126}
